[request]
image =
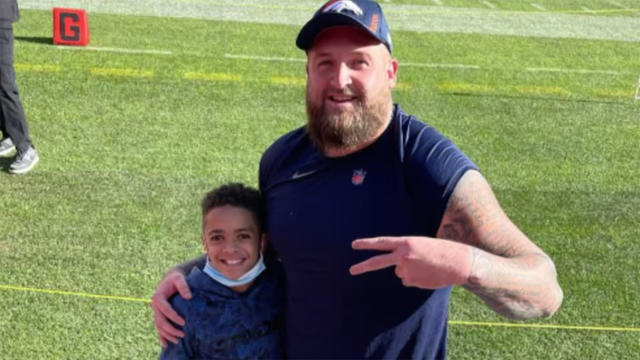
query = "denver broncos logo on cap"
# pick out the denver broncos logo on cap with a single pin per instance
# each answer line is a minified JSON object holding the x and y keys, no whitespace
{"x":341,"y":5}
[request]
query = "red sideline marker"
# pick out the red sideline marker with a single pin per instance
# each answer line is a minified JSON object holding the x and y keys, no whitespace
{"x":70,"y":27}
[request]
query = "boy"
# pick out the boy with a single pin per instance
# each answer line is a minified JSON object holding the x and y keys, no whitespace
{"x":235,"y":308}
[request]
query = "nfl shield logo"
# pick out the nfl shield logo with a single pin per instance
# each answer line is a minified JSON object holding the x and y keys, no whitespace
{"x":358,"y":177}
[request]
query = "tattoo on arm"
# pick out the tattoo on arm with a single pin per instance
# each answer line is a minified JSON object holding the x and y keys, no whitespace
{"x":509,"y":273}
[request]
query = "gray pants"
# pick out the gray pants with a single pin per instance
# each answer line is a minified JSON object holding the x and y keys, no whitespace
{"x":12,"y":121}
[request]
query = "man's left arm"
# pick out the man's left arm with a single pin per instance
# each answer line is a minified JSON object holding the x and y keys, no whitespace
{"x":478,"y":247}
{"x":512,"y":275}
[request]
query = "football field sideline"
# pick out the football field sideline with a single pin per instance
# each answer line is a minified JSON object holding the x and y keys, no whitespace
{"x":574,"y":23}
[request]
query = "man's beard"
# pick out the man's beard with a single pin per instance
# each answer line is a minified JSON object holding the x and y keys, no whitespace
{"x":347,"y":129}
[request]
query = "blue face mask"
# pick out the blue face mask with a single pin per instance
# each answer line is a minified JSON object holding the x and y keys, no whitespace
{"x":248,"y":277}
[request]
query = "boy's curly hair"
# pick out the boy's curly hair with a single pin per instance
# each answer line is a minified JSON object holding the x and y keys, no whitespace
{"x":236,"y":194}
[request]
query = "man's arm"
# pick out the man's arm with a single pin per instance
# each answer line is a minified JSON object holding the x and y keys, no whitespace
{"x":512,"y":275}
{"x":173,"y":281}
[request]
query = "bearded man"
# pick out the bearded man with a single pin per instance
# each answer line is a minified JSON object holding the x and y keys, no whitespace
{"x":375,"y":215}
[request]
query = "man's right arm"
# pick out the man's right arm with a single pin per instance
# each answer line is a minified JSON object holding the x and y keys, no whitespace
{"x":174,"y":281}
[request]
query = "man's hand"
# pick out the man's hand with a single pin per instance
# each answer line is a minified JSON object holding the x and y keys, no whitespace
{"x":422,"y":262}
{"x":174,"y":281}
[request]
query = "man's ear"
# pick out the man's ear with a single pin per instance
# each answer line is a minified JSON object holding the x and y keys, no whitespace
{"x":392,"y":72}
{"x":204,"y":243}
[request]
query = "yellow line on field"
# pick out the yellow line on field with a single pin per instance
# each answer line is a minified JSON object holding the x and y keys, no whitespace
{"x":124,"y":72}
{"x":287,"y":80}
{"x":502,"y":90}
{"x":452,"y":322}
{"x":544,"y":90}
{"x":36,"y":67}
{"x":403,"y":86}
{"x":73,"y":293}
{"x":543,"y":326}
{"x":613,"y":93}
{"x":465,"y":87}
{"x":212,"y":76}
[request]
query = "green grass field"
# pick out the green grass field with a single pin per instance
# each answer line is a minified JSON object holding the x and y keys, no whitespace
{"x":130,"y":142}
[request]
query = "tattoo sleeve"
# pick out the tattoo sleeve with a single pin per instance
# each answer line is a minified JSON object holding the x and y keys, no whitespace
{"x":510,"y":273}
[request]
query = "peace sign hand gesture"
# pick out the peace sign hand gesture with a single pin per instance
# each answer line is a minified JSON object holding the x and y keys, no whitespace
{"x":422,"y":262}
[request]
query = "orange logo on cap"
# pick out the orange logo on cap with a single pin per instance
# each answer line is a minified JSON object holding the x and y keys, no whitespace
{"x":374,"y":23}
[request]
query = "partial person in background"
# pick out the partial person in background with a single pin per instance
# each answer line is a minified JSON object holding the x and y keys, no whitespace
{"x":13,"y":125}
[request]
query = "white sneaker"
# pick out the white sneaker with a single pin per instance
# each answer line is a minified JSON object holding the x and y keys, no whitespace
{"x":6,"y":147}
{"x":25,"y":161}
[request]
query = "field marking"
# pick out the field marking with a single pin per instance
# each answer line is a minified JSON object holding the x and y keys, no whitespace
{"x":545,"y":326}
{"x":212,"y":76}
{"x":452,"y":322}
{"x":529,"y":90}
{"x":288,"y":80}
{"x":580,"y":71}
{"x":465,"y":87}
{"x":124,"y":72}
{"x":405,"y":17}
{"x":73,"y":293}
{"x":488,"y":4}
{"x":538,"y":6}
{"x":263,"y":58}
{"x":36,"y":67}
{"x":588,"y":10}
{"x":119,"y":50}
{"x":616,"y":93}
{"x":434,"y":65}
{"x":483,"y":89}
{"x":544,"y":90}
{"x":289,"y":59}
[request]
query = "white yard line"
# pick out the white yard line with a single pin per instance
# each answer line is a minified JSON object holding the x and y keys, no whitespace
{"x":488,"y":4}
{"x":433,"y":65}
{"x":119,"y":50}
{"x":580,"y":71}
{"x":538,"y":6}
{"x":263,"y":58}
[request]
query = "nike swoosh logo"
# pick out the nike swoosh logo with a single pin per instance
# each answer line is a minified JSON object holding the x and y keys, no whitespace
{"x":298,"y":175}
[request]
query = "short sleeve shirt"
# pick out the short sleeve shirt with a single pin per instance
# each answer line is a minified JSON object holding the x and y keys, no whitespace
{"x":316,"y":206}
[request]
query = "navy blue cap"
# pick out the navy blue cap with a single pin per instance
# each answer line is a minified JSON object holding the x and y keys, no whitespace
{"x":365,"y":14}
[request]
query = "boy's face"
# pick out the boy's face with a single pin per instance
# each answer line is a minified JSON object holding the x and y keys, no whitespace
{"x":231,"y":239}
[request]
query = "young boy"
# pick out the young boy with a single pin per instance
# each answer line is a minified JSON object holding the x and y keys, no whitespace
{"x":235,"y":308}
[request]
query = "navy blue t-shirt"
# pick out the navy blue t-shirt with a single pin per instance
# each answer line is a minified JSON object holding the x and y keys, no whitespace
{"x":316,"y":206}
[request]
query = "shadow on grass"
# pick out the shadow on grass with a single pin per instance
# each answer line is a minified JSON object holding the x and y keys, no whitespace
{"x":5,"y":162}
{"x":35,"y":39}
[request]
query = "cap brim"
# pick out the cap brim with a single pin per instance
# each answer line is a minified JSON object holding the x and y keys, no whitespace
{"x":311,"y":29}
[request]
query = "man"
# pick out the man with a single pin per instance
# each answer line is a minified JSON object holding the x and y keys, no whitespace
{"x":368,"y":190}
{"x":14,"y":128}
